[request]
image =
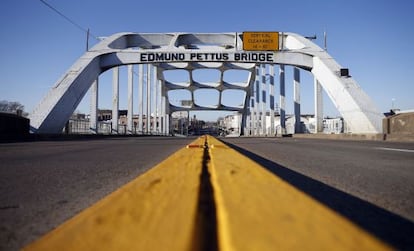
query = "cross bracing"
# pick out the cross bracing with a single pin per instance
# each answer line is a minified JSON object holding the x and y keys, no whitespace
{"x":193,"y":51}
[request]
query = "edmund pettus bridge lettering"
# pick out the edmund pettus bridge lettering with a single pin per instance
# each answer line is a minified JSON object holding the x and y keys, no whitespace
{"x":206,"y":56}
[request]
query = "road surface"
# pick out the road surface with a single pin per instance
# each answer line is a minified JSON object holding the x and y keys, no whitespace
{"x":368,"y":182}
{"x":42,"y":184}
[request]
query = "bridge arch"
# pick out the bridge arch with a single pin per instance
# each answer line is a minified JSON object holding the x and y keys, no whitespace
{"x":190,"y":51}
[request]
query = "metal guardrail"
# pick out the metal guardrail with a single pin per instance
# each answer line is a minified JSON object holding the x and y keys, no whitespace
{"x":76,"y":126}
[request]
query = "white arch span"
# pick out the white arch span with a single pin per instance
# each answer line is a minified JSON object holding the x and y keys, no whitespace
{"x":203,"y":50}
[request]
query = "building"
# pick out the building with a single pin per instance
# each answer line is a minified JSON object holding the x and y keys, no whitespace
{"x":230,"y":125}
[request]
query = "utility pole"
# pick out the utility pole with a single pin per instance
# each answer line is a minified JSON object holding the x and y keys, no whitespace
{"x":87,"y":40}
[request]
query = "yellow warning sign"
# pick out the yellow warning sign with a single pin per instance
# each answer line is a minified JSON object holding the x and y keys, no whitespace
{"x":260,"y":41}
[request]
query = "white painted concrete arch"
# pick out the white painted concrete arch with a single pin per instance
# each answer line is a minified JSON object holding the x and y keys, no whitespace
{"x":191,"y":51}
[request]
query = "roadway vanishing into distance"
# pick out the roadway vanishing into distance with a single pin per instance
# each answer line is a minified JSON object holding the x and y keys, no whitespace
{"x":44,"y":183}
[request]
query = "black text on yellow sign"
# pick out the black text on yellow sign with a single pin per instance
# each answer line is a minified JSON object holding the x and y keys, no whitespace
{"x":260,"y":41}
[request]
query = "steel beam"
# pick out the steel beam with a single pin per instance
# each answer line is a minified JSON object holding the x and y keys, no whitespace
{"x":93,"y":120}
{"x":296,"y":99}
{"x":115,"y":100}
{"x":282,"y":99}
{"x":130,"y":124}
{"x":318,"y":106}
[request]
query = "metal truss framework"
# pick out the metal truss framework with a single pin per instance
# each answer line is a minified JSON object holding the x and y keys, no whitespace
{"x":191,"y":51}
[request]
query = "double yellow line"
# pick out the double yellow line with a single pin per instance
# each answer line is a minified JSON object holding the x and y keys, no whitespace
{"x":207,"y":196}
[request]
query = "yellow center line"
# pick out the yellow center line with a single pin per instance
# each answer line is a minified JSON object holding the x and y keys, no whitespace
{"x":156,"y":211}
{"x":163,"y":210}
{"x":257,"y":210}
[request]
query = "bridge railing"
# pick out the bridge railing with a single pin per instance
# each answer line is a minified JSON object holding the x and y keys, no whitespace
{"x":82,"y":126}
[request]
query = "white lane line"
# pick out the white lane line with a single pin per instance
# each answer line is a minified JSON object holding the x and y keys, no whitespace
{"x":395,"y":149}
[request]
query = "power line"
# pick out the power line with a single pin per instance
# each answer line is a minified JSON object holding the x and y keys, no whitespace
{"x":69,"y":20}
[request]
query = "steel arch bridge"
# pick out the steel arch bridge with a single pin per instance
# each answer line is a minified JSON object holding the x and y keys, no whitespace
{"x":221,"y":51}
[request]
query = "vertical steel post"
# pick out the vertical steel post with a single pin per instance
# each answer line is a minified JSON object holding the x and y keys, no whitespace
{"x":272,"y":98}
{"x":168,"y":120}
{"x":115,"y":100}
{"x":159,"y":105}
{"x":245,"y":115}
{"x":93,"y":120}
{"x":264,"y":100}
{"x":148,"y":112}
{"x":188,"y":122}
{"x":252,"y":105}
{"x":140,"y":96}
{"x":164,"y":103}
{"x":257,"y":105}
{"x":130,"y":113}
{"x":296,"y":99}
{"x":282,"y":99}
{"x":318,"y":106}
{"x":248,"y":117}
{"x":155,"y":98}
{"x":162,"y":114}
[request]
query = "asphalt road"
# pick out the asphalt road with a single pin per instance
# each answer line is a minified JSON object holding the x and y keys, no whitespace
{"x":42,"y":184}
{"x":369,"y":182}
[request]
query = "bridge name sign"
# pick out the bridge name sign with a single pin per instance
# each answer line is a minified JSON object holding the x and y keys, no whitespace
{"x":207,"y":57}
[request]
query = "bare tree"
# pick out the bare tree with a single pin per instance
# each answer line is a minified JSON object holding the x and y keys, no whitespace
{"x":11,"y":107}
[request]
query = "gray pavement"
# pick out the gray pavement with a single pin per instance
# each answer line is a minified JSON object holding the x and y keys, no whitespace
{"x":369,"y":182}
{"x":42,"y":184}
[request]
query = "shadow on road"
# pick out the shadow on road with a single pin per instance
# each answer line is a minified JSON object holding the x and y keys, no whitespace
{"x":385,"y":225}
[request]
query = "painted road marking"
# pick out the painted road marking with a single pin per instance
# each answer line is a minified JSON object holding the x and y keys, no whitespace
{"x":156,"y":211}
{"x":256,"y":210}
{"x":395,"y":149}
{"x":253,"y":210}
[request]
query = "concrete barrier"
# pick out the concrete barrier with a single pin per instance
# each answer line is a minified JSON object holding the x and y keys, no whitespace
{"x":399,"y":127}
{"x":341,"y":136}
{"x":13,"y":126}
